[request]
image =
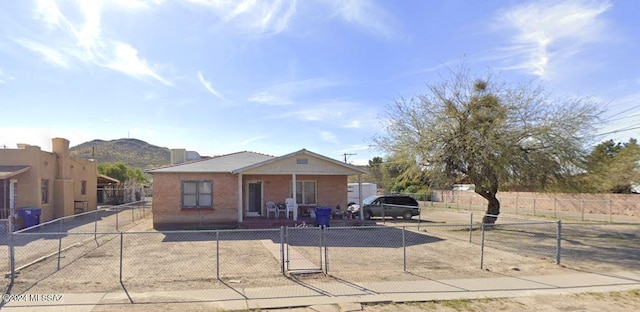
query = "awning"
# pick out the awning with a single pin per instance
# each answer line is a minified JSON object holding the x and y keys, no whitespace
{"x":10,"y":171}
{"x":106,"y":180}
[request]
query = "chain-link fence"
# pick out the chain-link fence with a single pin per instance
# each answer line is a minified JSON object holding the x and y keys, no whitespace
{"x":47,"y":247}
{"x":613,"y":208}
{"x":144,"y":262}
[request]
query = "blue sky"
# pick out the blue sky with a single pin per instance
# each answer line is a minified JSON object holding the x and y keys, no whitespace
{"x":277,"y":76}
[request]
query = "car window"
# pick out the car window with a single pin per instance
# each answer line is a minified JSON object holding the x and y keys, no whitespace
{"x":392,"y":200}
{"x":369,"y":200}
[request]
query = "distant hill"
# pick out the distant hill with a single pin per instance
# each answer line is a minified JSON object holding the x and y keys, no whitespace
{"x":133,"y":152}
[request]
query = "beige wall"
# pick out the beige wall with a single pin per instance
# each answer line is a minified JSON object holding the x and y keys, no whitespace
{"x":617,"y":204}
{"x":167,"y":201}
{"x":49,"y":166}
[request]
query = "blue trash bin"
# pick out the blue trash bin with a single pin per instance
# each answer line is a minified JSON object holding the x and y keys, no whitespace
{"x":31,"y":216}
{"x":322,"y":216}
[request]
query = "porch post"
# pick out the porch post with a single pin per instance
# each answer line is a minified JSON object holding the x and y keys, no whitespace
{"x":293,"y":189}
{"x":239,"y":197}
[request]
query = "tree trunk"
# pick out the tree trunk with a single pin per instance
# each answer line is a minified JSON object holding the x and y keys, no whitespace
{"x":493,"y":208}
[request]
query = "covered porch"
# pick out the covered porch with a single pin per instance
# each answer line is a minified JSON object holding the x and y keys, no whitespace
{"x":312,"y":180}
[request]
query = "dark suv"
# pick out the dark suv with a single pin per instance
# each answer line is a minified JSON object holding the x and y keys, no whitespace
{"x":394,"y":206}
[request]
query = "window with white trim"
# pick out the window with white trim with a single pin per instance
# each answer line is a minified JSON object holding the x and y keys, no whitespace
{"x":197,"y":194}
{"x":306,"y":193}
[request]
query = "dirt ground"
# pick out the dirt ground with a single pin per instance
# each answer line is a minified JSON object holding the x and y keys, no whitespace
{"x":587,"y":302}
{"x":442,"y":248}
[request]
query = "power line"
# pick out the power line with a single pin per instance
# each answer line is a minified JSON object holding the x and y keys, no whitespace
{"x":619,"y":130}
{"x":622,"y":112}
{"x":348,"y":154}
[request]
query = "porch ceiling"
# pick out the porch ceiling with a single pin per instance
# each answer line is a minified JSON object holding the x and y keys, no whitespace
{"x":10,"y":171}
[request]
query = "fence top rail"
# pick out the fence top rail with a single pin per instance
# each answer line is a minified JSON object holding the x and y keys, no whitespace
{"x":16,"y":234}
{"x":203,"y":231}
{"x":77,"y":215}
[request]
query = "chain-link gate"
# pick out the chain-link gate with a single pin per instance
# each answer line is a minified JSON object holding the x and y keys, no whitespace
{"x":304,"y":249}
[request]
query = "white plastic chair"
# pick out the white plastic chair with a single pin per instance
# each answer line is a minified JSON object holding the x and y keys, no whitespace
{"x":271,"y":207}
{"x":291,"y":207}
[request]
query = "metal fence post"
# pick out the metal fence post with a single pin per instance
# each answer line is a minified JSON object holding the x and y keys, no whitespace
{"x":326,"y":250}
{"x":117,"y":213}
{"x":95,"y":226}
{"x":282,"y":249}
{"x":482,"y":249}
{"x":121,"y":249}
{"x":404,"y":250}
{"x":558,"y":241}
{"x":12,"y":252}
{"x":534,"y":206}
{"x":218,"y":255}
{"x":320,"y":245}
{"x":59,"y":250}
{"x":470,"y":227}
{"x":286,"y":255}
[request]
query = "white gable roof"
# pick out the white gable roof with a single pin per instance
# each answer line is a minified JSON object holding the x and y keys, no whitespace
{"x":256,"y":163}
{"x":225,"y":163}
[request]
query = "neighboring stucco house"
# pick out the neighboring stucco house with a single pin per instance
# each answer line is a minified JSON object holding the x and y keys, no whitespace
{"x":230,"y":188}
{"x":57,"y":183}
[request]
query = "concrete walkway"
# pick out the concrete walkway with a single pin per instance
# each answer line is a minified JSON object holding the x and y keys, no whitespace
{"x":332,"y":296}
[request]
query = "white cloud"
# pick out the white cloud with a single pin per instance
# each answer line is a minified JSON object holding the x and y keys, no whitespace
{"x":268,"y":98}
{"x":328,"y":137}
{"x":207,"y":85}
{"x":286,"y":93}
{"x":368,"y":15}
{"x":256,"y":17}
{"x":354,"y":124}
{"x":135,"y":4}
{"x":49,"y":13}
{"x":248,"y":141}
{"x":83,"y":41}
{"x":546,"y":33}
{"x":4,"y":77}
{"x":125,"y":59}
{"x":50,"y":55}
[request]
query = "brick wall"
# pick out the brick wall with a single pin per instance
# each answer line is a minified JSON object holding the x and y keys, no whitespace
{"x":331,"y":189}
{"x":167,"y":199}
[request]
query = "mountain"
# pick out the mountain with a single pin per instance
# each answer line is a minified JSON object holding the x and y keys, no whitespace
{"x":133,"y":152}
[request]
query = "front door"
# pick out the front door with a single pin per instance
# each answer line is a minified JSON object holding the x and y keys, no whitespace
{"x":254,"y":199}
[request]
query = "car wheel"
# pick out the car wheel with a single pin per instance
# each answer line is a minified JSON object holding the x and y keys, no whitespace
{"x":407,"y":215}
{"x":368,"y":215}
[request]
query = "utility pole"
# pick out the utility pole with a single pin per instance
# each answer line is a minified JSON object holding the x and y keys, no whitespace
{"x":347,"y":154}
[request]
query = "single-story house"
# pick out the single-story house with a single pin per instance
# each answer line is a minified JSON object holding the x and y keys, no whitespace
{"x":55,"y":182}
{"x":233,"y":187}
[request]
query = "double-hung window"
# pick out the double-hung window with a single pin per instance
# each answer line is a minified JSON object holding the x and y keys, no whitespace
{"x":197,"y":194}
{"x":306,"y":192}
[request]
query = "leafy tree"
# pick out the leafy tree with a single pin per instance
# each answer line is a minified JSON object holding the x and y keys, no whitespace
{"x":490,"y":133}
{"x":612,"y":167}
{"x":128,"y":177}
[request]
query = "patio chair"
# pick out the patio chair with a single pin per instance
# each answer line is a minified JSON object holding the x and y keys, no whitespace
{"x":291,"y":207}
{"x":271,"y":207}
